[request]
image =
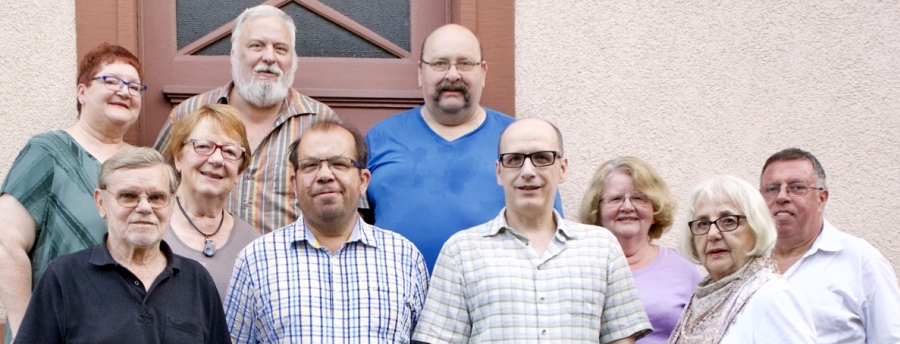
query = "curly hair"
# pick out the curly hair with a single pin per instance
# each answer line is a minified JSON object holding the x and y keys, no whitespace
{"x":645,"y":180}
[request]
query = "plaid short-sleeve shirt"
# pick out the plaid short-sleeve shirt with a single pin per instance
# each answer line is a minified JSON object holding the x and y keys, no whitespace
{"x":263,"y":196}
{"x":489,"y":285}
{"x":286,"y":288}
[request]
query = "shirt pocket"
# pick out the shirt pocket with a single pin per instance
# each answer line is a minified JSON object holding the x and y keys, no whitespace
{"x":183,"y":331}
{"x":386,"y":310}
{"x":583,"y":305}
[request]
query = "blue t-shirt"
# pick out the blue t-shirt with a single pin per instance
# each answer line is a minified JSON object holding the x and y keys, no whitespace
{"x":427,"y":188}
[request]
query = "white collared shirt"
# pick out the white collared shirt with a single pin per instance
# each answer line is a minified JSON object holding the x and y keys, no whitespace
{"x":850,"y":288}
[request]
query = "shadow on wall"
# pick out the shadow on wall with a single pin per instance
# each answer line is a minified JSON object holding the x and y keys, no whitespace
{"x":2,"y":324}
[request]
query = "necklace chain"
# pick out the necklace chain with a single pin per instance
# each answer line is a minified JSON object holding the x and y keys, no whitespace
{"x":178,"y":201}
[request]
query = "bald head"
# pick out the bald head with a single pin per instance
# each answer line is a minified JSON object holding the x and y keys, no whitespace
{"x":456,"y":32}
{"x":530,"y":168}
{"x":452,"y":73}
{"x":531,"y":124}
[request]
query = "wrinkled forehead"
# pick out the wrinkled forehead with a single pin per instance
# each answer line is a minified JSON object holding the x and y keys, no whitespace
{"x":326,"y":143}
{"x":208,"y":127}
{"x":452,"y":43}
{"x":789,"y":171}
{"x":140,"y":178}
{"x":528,"y":136}
{"x":266,"y":28}
{"x":716,"y":202}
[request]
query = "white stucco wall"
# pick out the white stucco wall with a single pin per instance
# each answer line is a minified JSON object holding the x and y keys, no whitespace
{"x":37,"y":78}
{"x":37,"y":72}
{"x":703,"y":88}
{"x":696,"y":89}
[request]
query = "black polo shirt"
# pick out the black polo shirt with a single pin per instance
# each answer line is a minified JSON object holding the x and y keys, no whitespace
{"x":87,"y":297}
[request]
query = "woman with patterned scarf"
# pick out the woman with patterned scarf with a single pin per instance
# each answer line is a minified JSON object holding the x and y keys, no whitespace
{"x":744,"y":299}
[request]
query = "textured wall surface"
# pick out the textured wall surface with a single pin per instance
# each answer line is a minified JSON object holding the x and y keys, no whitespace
{"x":702,"y":88}
{"x":37,"y":72}
{"x":37,"y":78}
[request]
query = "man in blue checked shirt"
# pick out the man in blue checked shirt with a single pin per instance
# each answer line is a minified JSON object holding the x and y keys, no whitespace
{"x":528,"y":275}
{"x":328,"y":277}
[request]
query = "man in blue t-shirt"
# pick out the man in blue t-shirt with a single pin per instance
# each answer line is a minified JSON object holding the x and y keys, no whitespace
{"x":433,"y":166}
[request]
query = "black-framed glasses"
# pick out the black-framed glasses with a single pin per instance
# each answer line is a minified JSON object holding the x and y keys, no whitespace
{"x":335,"y":163}
{"x":725,"y":223}
{"x":618,"y":200}
{"x":538,"y":159}
{"x":131,"y":199}
{"x":793,"y":189}
{"x":229,"y":151}
{"x":115,"y":84}
{"x":443,"y":66}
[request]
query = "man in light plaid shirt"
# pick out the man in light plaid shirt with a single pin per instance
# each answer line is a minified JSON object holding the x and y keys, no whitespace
{"x":528,"y":275}
{"x":328,"y":277}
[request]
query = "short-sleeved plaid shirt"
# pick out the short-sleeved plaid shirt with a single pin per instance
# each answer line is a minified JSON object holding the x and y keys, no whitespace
{"x":286,"y":288}
{"x":263,"y":195}
{"x":489,"y":285}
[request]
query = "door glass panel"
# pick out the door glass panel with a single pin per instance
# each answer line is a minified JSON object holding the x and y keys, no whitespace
{"x":317,"y":36}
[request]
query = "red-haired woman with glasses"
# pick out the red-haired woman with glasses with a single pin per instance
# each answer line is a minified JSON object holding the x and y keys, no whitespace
{"x":47,"y":197}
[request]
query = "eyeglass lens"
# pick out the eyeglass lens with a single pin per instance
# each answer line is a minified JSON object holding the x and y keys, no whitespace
{"x":725,"y":223}
{"x":443,"y":66}
{"x":229,"y":151}
{"x":794,"y":189}
{"x":335,"y":163}
{"x":115,"y":84}
{"x":538,"y":159}
{"x":131,"y":199}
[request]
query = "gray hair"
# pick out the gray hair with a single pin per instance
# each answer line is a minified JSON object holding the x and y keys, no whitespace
{"x":132,"y":158}
{"x":263,"y":11}
{"x":797,"y":154}
{"x":750,"y":202}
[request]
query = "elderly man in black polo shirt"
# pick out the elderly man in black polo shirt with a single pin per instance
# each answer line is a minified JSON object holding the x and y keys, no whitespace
{"x":130,"y":288}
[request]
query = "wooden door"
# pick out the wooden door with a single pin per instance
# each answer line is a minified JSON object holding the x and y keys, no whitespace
{"x":356,"y":56}
{"x":362,"y":89}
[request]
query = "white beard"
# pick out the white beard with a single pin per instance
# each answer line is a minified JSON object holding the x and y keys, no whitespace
{"x":257,"y":93}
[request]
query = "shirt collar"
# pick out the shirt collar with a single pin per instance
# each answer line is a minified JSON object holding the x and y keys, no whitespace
{"x":294,"y":105}
{"x":563,"y":231}
{"x":101,"y":256}
{"x":362,"y":232}
{"x":828,"y":240}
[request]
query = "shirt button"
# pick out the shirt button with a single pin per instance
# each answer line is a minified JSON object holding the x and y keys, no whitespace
{"x":542,"y":299}
{"x":246,"y":204}
{"x":137,"y":283}
{"x":544,"y":332}
{"x":249,"y":176}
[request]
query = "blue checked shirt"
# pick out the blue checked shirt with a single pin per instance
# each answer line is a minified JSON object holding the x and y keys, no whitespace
{"x":490,"y":286}
{"x":286,"y":288}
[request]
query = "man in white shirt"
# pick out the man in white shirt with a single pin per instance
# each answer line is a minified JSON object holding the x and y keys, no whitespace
{"x":851,"y":289}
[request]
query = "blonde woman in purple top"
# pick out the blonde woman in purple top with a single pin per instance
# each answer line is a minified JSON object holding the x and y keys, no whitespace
{"x":627,"y":197}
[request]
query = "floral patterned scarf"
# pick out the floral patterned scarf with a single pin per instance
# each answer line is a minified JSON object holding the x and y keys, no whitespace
{"x":716,"y":304}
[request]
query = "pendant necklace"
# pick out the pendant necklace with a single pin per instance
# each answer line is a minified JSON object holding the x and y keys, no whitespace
{"x":210,"y":248}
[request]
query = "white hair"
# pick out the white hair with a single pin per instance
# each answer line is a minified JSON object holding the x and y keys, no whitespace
{"x":262,"y":95}
{"x":747,"y":199}
{"x":263,"y":11}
